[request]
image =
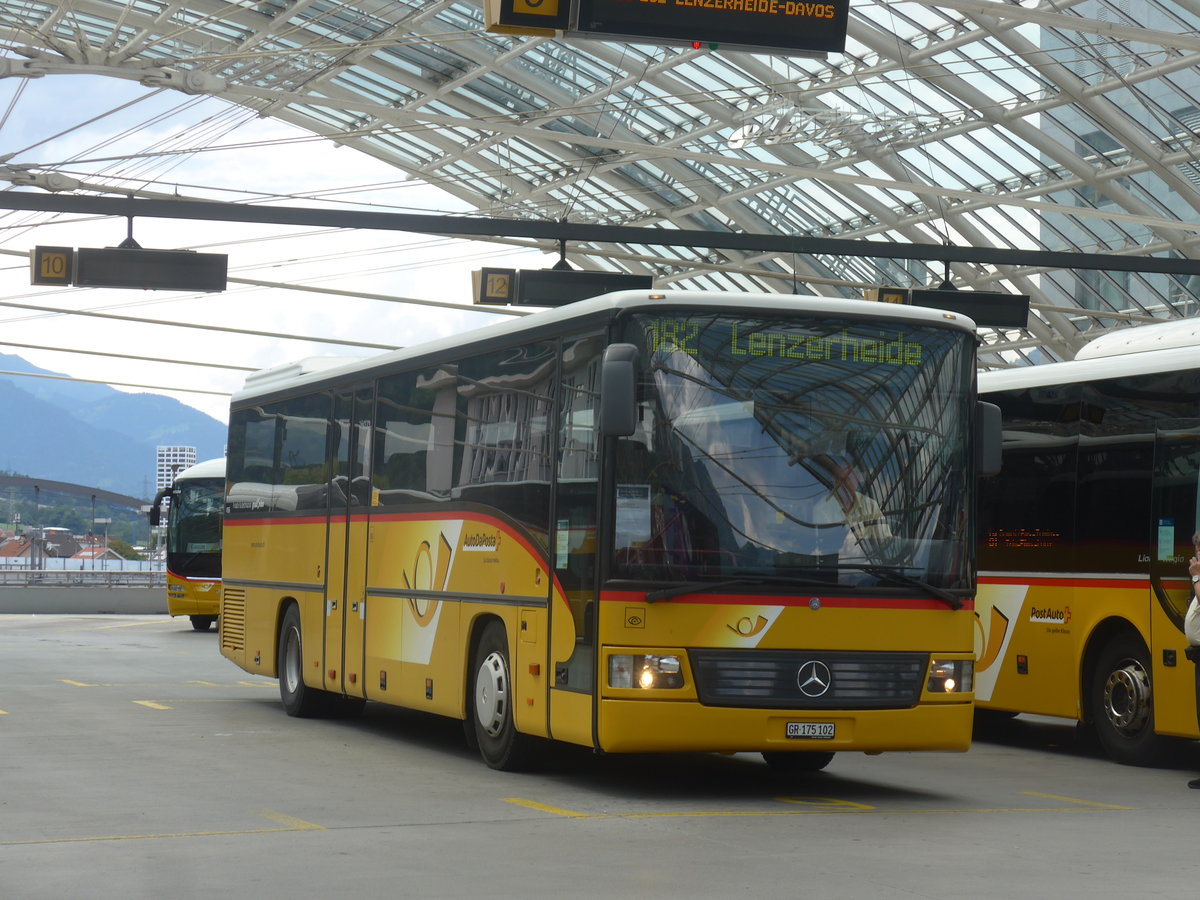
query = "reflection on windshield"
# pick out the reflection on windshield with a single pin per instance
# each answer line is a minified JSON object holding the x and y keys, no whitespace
{"x":194,"y":530}
{"x":771,"y":464}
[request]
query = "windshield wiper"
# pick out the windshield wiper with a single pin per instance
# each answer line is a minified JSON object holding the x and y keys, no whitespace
{"x":695,"y":587}
{"x":895,"y":577}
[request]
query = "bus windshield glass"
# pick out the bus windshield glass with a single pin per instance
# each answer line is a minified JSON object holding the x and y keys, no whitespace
{"x":796,"y":448}
{"x":194,"y":528}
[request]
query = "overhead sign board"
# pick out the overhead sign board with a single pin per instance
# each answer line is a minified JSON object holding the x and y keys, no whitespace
{"x":558,"y":287}
{"x":989,"y":309}
{"x":764,"y":25}
{"x":123,"y":267}
{"x":160,"y":270}
{"x":550,"y":287}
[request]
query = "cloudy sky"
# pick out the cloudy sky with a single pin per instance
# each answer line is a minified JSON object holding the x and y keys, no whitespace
{"x":123,"y":134}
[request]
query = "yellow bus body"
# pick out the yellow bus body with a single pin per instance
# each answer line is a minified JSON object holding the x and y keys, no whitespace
{"x":1035,"y":636}
{"x":193,"y":596}
{"x":376,"y":643}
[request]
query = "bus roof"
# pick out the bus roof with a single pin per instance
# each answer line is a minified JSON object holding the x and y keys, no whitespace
{"x":1160,"y":336}
{"x":210,"y":468}
{"x":1168,"y":347}
{"x":267,"y":382}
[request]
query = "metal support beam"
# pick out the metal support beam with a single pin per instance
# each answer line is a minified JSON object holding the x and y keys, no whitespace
{"x":475,"y":226}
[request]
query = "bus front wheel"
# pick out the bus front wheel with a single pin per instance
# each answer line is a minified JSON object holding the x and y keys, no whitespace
{"x":1121,"y":702}
{"x":491,"y":703}
{"x":202,"y":623}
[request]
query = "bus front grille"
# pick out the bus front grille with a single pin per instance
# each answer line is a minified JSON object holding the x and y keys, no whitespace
{"x":804,"y":679}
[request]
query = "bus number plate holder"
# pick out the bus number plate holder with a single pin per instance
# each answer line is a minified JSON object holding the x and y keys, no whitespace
{"x":811,"y":731}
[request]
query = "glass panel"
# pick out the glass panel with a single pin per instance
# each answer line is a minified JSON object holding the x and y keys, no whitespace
{"x":795,"y":447}
{"x":195,"y":528}
{"x":1027,"y":512}
{"x":504,"y":408}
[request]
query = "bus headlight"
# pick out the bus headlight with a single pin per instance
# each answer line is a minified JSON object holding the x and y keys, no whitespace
{"x":955,"y":676}
{"x":626,"y":671}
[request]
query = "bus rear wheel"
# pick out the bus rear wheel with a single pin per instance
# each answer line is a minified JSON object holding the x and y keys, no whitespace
{"x":202,"y":623}
{"x":1121,"y":702}
{"x":490,"y":705}
{"x":298,"y":698}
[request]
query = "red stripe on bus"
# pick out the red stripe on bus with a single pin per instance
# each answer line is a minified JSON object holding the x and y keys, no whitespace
{"x":788,"y":600}
{"x":1070,"y":581}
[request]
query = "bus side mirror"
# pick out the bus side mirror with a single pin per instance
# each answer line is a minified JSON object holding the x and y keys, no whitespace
{"x":156,"y":508}
{"x":988,"y":438}
{"x":618,"y":390}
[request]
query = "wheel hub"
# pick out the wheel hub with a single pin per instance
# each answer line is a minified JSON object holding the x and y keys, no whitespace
{"x":1127,"y":698}
{"x":491,"y":694}
{"x":291,"y":662}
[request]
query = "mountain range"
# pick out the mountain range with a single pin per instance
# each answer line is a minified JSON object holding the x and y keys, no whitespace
{"x":92,"y":434}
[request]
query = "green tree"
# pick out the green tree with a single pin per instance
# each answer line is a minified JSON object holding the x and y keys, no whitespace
{"x":123,"y":549}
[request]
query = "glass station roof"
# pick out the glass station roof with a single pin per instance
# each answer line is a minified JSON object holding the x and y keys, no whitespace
{"x":1065,"y":125}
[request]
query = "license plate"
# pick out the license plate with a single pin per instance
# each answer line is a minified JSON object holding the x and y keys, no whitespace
{"x":811,"y":731}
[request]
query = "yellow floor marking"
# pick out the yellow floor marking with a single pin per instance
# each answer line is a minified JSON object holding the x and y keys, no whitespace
{"x":77,"y":683}
{"x":289,"y":823}
{"x":205,"y":683}
{"x":151,"y":704}
{"x":292,"y":823}
{"x":813,"y":806}
{"x":827,"y":804}
{"x":553,"y":810}
{"x":3,"y":712}
{"x":1074,"y":800}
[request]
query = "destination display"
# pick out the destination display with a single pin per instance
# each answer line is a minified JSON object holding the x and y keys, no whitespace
{"x":705,"y":337}
{"x":769,"y":25}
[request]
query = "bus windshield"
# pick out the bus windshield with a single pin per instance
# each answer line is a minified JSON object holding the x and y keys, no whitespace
{"x":194,"y":528}
{"x":796,"y":448}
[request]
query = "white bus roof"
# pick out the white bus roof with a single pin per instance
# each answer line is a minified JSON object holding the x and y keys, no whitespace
{"x":1143,"y":350}
{"x":210,"y":468}
{"x":265,"y":382}
{"x":1160,"y":336}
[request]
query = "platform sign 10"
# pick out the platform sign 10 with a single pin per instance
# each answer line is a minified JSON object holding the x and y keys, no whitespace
{"x":52,"y":265}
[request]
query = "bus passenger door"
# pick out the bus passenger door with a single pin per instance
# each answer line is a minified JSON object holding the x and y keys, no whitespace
{"x":349,"y":501}
{"x":1176,"y":516}
{"x":573,"y":613}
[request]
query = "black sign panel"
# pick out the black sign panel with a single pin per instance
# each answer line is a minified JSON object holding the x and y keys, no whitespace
{"x":161,"y":270}
{"x":989,"y":309}
{"x":558,"y":287}
{"x":769,"y":25}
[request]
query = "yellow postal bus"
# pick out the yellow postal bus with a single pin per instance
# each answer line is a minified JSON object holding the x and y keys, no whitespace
{"x":644,"y":522}
{"x":193,"y":541}
{"x":1085,"y":536}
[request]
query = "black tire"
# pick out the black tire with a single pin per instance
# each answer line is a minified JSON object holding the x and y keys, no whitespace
{"x":794,"y":763}
{"x":298,"y":699}
{"x":202,"y":623}
{"x":490,"y":704}
{"x":1121,"y":702}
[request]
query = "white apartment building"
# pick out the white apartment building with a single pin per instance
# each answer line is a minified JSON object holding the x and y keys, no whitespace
{"x":169,"y":462}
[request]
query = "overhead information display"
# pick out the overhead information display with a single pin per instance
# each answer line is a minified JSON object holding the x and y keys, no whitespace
{"x":767,"y":25}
